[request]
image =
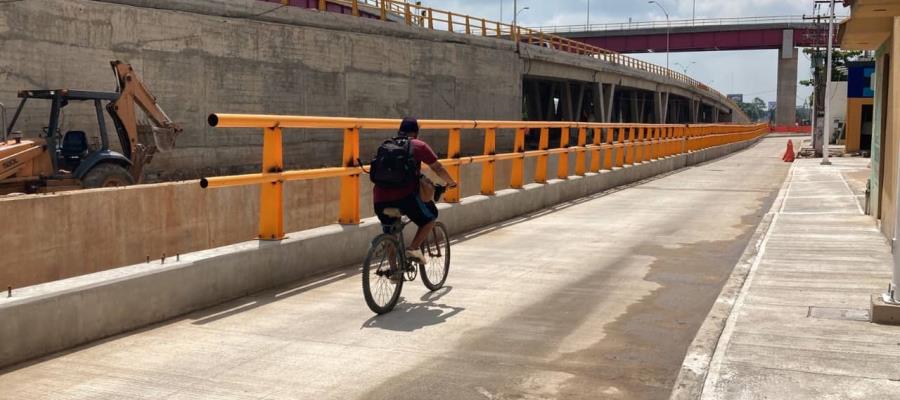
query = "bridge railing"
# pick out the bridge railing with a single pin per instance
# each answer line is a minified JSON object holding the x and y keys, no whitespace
{"x":436,"y":19}
{"x":609,"y":146}
{"x":682,"y":23}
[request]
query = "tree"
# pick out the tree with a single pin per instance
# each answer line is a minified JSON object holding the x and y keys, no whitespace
{"x":818,"y":59}
{"x":755,"y":110}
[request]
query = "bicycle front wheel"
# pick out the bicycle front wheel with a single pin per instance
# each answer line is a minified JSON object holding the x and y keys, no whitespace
{"x":437,"y":252}
{"x":382,"y":277}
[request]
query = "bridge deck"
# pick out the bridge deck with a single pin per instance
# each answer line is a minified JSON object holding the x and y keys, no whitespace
{"x":588,"y":300}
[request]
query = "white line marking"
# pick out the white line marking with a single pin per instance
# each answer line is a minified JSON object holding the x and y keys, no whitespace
{"x":847,"y":185}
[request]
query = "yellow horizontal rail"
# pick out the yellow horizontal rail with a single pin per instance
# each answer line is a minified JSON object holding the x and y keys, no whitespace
{"x":611,"y":146}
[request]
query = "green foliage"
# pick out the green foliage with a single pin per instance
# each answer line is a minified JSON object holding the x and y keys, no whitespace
{"x":756,"y":109}
{"x":839,"y":60}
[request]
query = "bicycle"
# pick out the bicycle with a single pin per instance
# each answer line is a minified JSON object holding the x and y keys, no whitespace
{"x":386,"y":266}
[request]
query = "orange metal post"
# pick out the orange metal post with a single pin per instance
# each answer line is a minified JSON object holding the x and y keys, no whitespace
{"x":639,"y":148}
{"x":595,"y":152}
{"x":407,"y":14}
{"x":449,"y":22}
{"x":322,"y":5}
{"x":271,"y":201}
{"x":355,"y":8}
{"x":540,"y":173}
{"x":483,"y":27}
{"x":608,"y":153}
{"x":468,"y":26}
{"x":629,"y":147}
{"x":580,"y":161}
{"x":517,"y":175}
{"x":430,"y":19}
{"x":350,"y":184}
{"x":383,"y":11}
{"x":670,"y":141}
{"x":487,"y":169}
{"x":453,"y":146}
{"x":562,"y":167}
{"x":620,"y":147}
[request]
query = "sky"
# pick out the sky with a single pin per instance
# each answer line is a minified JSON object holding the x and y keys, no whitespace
{"x":751,"y":73}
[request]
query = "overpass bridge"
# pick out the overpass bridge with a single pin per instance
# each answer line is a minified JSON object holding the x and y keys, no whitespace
{"x":782,"y":33}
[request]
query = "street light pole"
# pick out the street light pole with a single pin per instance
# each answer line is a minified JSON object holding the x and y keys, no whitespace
{"x":694,"y":14}
{"x":826,"y":128}
{"x":514,"y":30}
{"x":668,"y":26}
{"x":588,"y":26}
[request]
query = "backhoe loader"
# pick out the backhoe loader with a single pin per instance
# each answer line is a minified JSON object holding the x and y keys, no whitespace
{"x":53,"y":161}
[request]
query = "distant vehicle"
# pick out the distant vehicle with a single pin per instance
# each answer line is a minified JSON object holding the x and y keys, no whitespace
{"x":56,"y":162}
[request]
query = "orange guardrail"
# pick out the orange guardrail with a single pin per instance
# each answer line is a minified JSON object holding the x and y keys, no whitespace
{"x":436,"y":19}
{"x":610,"y":146}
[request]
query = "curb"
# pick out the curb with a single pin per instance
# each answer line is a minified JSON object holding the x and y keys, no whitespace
{"x":691,"y":378}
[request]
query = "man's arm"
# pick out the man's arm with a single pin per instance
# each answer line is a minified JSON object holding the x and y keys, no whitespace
{"x":442,"y":173}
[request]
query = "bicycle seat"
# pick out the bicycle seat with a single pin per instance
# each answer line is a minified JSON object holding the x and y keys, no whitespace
{"x":393,"y":212}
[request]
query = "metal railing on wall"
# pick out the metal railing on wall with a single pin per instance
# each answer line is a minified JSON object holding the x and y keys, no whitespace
{"x":610,"y":146}
{"x":681,"y":23}
{"x":436,"y":19}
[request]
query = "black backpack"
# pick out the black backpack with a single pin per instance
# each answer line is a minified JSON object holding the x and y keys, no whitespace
{"x":394,"y":164}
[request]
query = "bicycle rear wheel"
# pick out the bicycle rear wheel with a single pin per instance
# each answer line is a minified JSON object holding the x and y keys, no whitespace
{"x":437,"y":251}
{"x":381,"y":265}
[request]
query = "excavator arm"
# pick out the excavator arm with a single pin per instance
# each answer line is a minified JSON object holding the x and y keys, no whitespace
{"x":136,"y":142}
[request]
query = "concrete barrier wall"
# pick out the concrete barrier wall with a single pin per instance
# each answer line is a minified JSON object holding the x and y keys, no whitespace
{"x":69,"y":234}
{"x":42,"y":319}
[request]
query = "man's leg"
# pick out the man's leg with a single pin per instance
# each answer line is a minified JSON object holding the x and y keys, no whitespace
{"x":421,"y":235}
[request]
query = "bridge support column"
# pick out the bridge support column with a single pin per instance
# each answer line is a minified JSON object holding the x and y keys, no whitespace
{"x":565,"y":102}
{"x":695,"y":111}
{"x":786,"y":109}
{"x":609,"y":97}
{"x":662,"y":107}
{"x":635,"y":113}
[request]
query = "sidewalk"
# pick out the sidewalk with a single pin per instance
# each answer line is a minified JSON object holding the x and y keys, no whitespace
{"x":799,"y":325}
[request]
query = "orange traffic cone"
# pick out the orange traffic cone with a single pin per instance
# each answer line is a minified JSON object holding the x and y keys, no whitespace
{"x":789,"y":152}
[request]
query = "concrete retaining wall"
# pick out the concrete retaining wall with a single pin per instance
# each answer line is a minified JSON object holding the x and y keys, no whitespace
{"x":204,"y":56}
{"x":42,"y":319}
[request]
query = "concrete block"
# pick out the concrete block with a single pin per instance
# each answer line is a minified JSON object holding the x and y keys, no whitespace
{"x":884,"y":313}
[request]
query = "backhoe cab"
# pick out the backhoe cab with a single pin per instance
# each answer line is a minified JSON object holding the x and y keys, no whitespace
{"x":54,"y":161}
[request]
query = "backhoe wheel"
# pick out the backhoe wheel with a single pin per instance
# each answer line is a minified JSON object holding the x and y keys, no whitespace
{"x":106,"y":175}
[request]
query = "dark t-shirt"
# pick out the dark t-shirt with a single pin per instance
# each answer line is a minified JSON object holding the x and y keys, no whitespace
{"x":423,"y":154}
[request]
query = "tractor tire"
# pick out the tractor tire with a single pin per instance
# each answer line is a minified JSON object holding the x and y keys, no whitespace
{"x":106,"y":175}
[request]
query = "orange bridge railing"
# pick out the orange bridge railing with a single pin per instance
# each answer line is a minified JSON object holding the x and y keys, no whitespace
{"x":597,"y":146}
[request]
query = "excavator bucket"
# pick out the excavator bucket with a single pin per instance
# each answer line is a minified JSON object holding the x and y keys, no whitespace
{"x":161,"y":138}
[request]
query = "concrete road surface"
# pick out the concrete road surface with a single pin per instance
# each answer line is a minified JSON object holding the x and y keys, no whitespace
{"x":597,"y":299}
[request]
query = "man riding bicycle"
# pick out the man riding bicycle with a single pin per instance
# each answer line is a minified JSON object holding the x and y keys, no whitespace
{"x":405,"y":196}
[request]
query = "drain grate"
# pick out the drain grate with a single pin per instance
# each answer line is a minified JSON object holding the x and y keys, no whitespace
{"x":846,"y":314}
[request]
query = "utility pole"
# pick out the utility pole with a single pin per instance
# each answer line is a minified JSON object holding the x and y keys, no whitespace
{"x":818,"y":65}
{"x":826,"y":132}
{"x":588,"y":26}
{"x":668,"y":26}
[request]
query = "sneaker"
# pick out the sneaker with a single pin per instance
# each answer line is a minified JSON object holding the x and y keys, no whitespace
{"x":391,"y":273}
{"x":416,"y":255}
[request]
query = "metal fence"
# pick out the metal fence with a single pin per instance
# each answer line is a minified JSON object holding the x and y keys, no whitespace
{"x":609,"y":145}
